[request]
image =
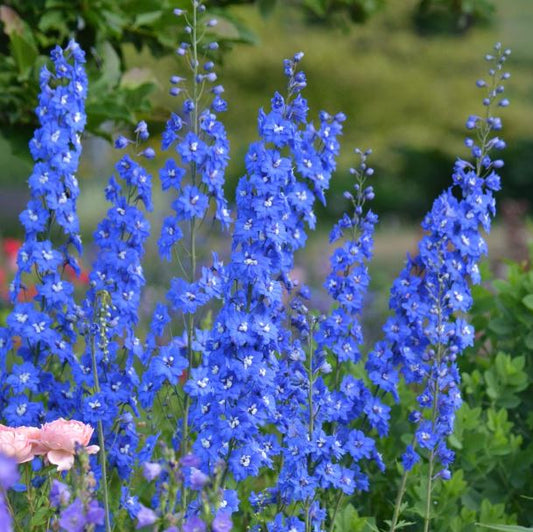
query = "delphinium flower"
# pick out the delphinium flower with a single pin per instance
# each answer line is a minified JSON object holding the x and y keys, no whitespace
{"x":234,"y":388}
{"x":323,"y":408}
{"x":428,"y":330}
{"x":195,"y":173}
{"x":164,"y":480}
{"x":8,"y":478}
{"x":106,"y":370}
{"x":41,"y":327}
{"x":76,"y":506}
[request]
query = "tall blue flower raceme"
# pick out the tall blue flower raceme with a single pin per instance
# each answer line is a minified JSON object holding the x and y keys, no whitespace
{"x":323,"y":410}
{"x":195,"y":173}
{"x":106,"y":370}
{"x":41,"y":327}
{"x":234,"y":389}
{"x":428,"y":330}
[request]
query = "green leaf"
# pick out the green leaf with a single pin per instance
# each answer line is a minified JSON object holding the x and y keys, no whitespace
{"x":318,"y":7}
{"x":145,"y":19}
{"x":529,"y":340}
{"x":53,"y":20}
{"x":22,"y":43}
{"x":110,"y":72}
{"x":348,"y":520}
{"x":266,"y":7}
{"x":528,"y":301}
{"x":454,"y":441}
{"x":233,"y":29}
{"x":40,"y":517}
{"x":24,"y":53}
{"x":500,"y":326}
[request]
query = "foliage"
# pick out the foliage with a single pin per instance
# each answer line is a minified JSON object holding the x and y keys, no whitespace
{"x":105,"y":28}
{"x":452,"y":15}
{"x":498,"y":385}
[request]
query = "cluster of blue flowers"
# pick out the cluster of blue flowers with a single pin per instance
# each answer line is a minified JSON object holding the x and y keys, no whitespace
{"x":321,"y":403}
{"x":429,"y":299}
{"x":196,"y":175}
{"x":111,"y":308}
{"x":41,"y":327}
{"x":235,"y":388}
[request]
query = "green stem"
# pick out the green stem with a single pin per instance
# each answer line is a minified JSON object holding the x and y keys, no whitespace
{"x":192,"y":244}
{"x":337,"y":506}
{"x":196,"y":126}
{"x":311,"y":427}
{"x":398,"y":502}
{"x":427,"y":517}
{"x":101,"y":442}
{"x":307,"y":515}
{"x":190,"y":352}
{"x":431,"y":466}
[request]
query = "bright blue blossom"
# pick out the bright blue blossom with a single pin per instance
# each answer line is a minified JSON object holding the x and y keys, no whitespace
{"x":321,"y":448}
{"x":235,"y":388}
{"x":427,"y":332}
{"x":112,"y":309}
{"x":196,"y":174}
{"x":48,"y":324}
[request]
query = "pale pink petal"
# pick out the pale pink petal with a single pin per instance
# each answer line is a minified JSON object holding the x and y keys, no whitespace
{"x":27,"y":457}
{"x":92,"y":449}
{"x":62,"y":459}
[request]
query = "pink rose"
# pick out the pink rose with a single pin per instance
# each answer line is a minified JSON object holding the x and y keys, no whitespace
{"x":58,"y":441}
{"x":34,"y":437}
{"x":15,"y":443}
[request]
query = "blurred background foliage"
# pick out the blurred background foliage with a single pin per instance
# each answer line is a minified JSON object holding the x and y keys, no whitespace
{"x":403,"y":72}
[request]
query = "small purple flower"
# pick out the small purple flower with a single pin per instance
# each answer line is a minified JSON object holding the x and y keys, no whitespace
{"x":190,"y":460}
{"x":194,"y":524}
{"x":145,"y":517}
{"x":73,"y":517}
{"x":222,"y":522}
{"x":95,"y":513}
{"x":59,"y":494}
{"x":151,"y":470}
{"x":9,"y":474}
{"x":198,"y":479}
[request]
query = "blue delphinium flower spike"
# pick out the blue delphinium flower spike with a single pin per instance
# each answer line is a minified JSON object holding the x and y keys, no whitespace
{"x":428,"y":331}
{"x":234,"y":388}
{"x":45,"y":313}
{"x":319,"y":412}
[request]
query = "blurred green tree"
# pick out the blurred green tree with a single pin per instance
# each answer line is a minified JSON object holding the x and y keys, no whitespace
{"x":30,"y":28}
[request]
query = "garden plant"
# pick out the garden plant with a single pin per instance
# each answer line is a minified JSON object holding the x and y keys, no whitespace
{"x":239,"y":406}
